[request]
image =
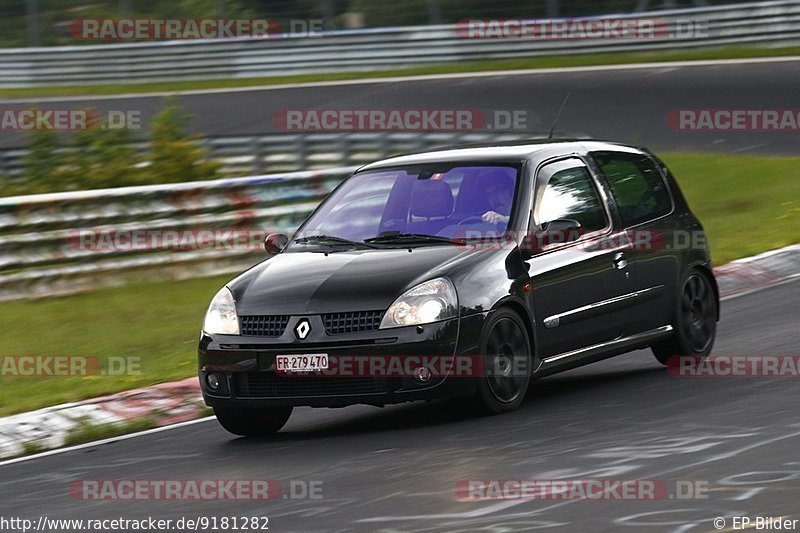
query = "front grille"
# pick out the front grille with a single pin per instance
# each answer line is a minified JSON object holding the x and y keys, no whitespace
{"x":353,"y":322}
{"x":270,"y":385}
{"x":264,"y":325}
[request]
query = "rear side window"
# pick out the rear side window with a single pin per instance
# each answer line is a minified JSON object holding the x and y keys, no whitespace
{"x":637,"y":186}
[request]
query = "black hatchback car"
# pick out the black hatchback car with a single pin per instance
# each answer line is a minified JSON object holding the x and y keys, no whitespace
{"x":462,"y":272}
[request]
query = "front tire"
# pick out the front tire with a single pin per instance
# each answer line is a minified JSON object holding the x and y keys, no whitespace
{"x":252,"y":421}
{"x":694,"y":322}
{"x":507,"y":350}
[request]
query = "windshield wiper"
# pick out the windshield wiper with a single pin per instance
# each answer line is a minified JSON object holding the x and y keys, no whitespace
{"x":410,"y":238}
{"x":328,"y":240}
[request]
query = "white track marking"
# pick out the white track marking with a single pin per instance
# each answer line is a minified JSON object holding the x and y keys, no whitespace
{"x":105,"y":441}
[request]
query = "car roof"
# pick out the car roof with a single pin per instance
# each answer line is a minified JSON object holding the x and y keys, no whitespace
{"x":499,"y":151}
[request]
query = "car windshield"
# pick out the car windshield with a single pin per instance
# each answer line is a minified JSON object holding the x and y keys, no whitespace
{"x":415,"y":205}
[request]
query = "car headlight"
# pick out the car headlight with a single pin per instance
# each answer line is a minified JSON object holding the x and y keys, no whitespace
{"x":221,"y":315}
{"x":428,"y":302}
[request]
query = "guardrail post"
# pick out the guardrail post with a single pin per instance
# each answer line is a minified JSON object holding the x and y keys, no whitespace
{"x":258,"y":156}
{"x":327,"y":14}
{"x":344,"y":149}
{"x":383,"y":143}
{"x":422,"y":144}
{"x":302,"y":151}
{"x":32,"y":14}
{"x":434,"y":12}
{"x":643,"y":5}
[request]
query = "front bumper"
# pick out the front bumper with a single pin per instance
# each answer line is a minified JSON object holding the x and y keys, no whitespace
{"x":245,"y":366}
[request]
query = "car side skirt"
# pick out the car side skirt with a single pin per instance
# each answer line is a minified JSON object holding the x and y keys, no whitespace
{"x":598,"y":352}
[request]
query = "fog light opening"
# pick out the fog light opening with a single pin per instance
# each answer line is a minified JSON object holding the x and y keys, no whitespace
{"x":422,"y":375}
{"x":213,"y":381}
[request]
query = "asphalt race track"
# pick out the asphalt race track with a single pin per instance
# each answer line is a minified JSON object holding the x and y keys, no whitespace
{"x":627,"y":105}
{"x":395,"y":469}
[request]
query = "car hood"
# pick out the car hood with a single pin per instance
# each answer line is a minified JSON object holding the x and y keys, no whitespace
{"x":296,"y":283}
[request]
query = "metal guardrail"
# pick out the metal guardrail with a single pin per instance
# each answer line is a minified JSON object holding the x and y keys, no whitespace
{"x":41,"y":252}
{"x":311,"y":151}
{"x":368,"y":50}
{"x":243,"y":155}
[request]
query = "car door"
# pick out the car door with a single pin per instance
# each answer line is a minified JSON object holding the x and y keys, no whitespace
{"x":644,"y":204}
{"x":581,"y":288}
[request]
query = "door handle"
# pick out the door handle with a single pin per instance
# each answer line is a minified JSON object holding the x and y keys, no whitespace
{"x":620,"y":262}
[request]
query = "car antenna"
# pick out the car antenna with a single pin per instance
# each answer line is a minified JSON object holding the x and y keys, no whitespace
{"x":558,"y":116}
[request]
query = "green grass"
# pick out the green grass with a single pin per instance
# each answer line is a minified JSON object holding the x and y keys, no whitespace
{"x":748,"y":205}
{"x":158,"y":322}
{"x":89,"y":432}
{"x":30,"y":448}
{"x":735,"y":52}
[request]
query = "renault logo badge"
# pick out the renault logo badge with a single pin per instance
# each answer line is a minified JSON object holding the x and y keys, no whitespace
{"x":302,"y":329}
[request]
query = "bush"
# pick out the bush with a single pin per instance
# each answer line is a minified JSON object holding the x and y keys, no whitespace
{"x":104,"y":157}
{"x":41,"y":165}
{"x":100,"y":158}
{"x":174,"y":155}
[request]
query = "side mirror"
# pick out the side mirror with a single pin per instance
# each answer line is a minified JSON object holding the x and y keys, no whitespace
{"x":275,"y":242}
{"x":558,"y":231}
{"x":561,"y":230}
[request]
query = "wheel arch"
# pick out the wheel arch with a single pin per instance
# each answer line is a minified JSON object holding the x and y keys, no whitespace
{"x":521,"y":309}
{"x":706,"y":270}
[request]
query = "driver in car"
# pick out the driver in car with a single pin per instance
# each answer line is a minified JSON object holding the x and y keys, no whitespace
{"x":500,"y":194}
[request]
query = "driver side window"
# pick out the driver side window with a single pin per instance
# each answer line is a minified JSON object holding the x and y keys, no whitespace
{"x":571,"y":194}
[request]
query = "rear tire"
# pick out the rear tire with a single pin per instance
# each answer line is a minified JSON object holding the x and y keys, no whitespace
{"x":694,"y":322}
{"x":507,"y":350}
{"x":252,"y":421}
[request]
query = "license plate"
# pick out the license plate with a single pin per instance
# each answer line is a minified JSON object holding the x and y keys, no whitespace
{"x":301,"y":362}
